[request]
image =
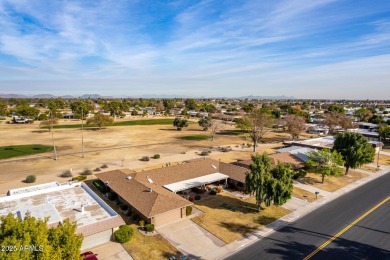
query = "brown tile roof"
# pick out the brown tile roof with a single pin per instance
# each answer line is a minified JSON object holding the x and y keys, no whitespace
{"x":175,"y":173}
{"x":281,"y":157}
{"x":234,"y":172}
{"x":137,"y":193}
{"x":100,"y":226}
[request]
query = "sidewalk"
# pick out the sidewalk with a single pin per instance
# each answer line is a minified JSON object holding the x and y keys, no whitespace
{"x":269,"y":229}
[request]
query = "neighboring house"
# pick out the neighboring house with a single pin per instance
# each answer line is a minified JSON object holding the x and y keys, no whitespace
{"x":73,"y":201}
{"x":155,"y":194}
{"x":69,"y":115}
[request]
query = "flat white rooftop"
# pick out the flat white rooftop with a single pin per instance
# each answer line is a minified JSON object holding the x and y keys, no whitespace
{"x":58,"y":203}
{"x":196,"y":182}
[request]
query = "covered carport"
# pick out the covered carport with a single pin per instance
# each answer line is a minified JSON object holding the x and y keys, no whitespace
{"x":196,"y":182}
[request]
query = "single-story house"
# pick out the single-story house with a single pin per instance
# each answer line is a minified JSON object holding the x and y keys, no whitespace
{"x":74,"y":201}
{"x":153,"y":194}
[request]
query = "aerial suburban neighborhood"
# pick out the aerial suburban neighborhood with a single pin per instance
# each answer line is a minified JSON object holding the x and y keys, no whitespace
{"x":194,"y":130}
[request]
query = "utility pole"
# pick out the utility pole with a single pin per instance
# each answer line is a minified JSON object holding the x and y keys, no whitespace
{"x":379,"y":149}
{"x":52,"y":135}
{"x":82,"y":133}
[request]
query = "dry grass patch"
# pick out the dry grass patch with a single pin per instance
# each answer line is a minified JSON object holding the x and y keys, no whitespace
{"x":368,"y":168}
{"x":230,"y":218}
{"x":383,"y":159}
{"x":149,"y":247}
{"x":332,"y":183}
{"x":304,"y":194}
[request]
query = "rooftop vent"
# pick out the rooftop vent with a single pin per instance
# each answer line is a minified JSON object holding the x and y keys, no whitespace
{"x":215,"y":167}
{"x":129,"y":177}
{"x":150,"y":180}
{"x":150,"y":189}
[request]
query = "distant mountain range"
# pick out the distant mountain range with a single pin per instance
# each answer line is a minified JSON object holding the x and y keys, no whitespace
{"x":94,"y":96}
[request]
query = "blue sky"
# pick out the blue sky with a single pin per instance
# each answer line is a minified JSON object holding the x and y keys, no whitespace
{"x":306,"y":49}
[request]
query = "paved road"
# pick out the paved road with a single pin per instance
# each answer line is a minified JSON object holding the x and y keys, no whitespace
{"x":368,"y":239}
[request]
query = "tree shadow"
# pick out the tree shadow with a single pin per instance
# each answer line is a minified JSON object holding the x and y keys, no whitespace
{"x":238,"y":228}
{"x":308,"y":180}
{"x":40,"y":131}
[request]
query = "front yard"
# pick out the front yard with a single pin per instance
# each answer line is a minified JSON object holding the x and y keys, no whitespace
{"x":305,"y":195}
{"x":230,"y":218}
{"x":332,"y":183}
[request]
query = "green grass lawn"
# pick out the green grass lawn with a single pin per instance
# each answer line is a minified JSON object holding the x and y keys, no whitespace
{"x":126,"y":123}
{"x":7,"y":152}
{"x":195,"y":137}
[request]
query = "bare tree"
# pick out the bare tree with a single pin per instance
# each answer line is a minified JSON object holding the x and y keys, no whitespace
{"x":336,"y":119}
{"x":215,"y":127}
{"x":256,"y":124}
{"x":295,"y":125}
{"x":48,"y":123}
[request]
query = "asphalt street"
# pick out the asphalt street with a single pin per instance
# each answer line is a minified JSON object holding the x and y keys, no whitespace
{"x":367,"y":239}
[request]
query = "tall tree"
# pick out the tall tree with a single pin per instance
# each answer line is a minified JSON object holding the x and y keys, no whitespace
{"x":100,"y":120}
{"x":256,"y":124}
{"x":3,"y":109}
{"x":257,"y":178}
{"x":179,"y":123}
{"x":355,"y":149}
{"x":81,"y":108}
{"x":295,"y":125}
{"x":267,"y":184}
{"x":205,"y":123}
{"x":191,"y":104}
{"x":336,"y":119}
{"x":384,"y":133}
{"x":216,"y":125}
{"x":59,"y":242}
{"x":336,"y":108}
{"x":325,"y":163}
{"x":48,"y":123}
{"x":363,"y":114}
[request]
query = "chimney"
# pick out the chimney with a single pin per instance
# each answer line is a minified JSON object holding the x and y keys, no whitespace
{"x":150,"y":189}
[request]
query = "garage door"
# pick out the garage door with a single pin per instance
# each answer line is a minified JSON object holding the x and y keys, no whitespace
{"x":167,"y":217}
{"x":96,"y":239}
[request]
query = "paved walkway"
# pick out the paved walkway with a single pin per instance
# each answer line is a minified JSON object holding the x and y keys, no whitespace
{"x":312,"y":189}
{"x":111,"y":251}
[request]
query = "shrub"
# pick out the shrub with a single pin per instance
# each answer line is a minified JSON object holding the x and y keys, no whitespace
{"x":97,"y":170}
{"x":149,"y":227}
{"x":213,"y":192}
{"x":123,"y":234}
{"x":188,"y":210}
{"x":86,"y":172}
{"x":136,"y":218}
{"x":156,"y":156}
{"x":145,"y":159}
{"x":79,"y":178}
{"x":31,"y":179}
{"x":299,"y":174}
{"x":141,"y":223}
{"x":191,"y":198}
{"x":104,"y":166}
{"x":112,"y":196}
{"x":100,"y":186}
{"x":66,"y":174}
{"x":197,"y":197}
{"x":204,"y":153}
{"x":219,"y":189}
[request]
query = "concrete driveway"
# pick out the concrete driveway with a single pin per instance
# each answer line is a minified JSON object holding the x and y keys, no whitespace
{"x":191,"y":239}
{"x":111,"y":251}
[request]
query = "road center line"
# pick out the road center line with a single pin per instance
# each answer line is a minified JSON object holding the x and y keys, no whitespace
{"x":346,"y":228}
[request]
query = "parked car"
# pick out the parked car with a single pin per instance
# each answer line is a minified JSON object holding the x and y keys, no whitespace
{"x":89,"y":256}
